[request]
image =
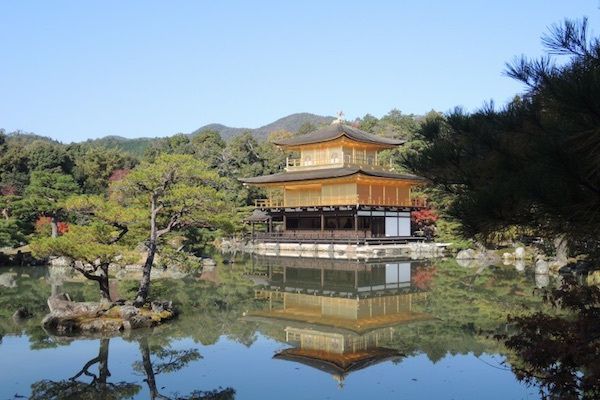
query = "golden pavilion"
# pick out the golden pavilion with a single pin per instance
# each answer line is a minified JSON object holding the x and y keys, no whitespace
{"x":336,"y":186}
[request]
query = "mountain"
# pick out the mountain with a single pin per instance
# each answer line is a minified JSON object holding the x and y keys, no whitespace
{"x":138,"y":146}
{"x":291,"y":123}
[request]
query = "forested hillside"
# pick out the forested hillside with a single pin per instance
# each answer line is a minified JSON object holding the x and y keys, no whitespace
{"x":292,"y":123}
{"x":37,"y":174}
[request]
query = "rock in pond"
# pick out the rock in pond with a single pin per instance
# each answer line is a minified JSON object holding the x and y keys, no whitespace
{"x":67,"y":317}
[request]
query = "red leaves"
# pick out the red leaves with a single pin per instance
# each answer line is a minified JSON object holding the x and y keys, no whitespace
{"x":118,"y":174}
{"x":422,"y":277}
{"x":424,"y":217}
{"x":43,"y":225}
{"x":8,"y":190}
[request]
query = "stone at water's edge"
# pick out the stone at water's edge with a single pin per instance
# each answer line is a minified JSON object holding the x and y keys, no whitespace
{"x":87,"y":317}
{"x":8,"y":279}
{"x":60,"y":261}
{"x":541,"y":267}
{"x":467,"y":254}
{"x":520,"y":253}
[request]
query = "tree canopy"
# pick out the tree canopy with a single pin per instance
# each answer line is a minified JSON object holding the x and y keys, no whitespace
{"x":533,"y":163}
{"x":178,"y":192}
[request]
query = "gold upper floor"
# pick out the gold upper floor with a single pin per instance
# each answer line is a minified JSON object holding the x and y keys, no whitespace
{"x":350,"y":191}
{"x":337,"y":154}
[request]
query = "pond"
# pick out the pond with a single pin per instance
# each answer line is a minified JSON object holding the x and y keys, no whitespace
{"x":280,"y":328}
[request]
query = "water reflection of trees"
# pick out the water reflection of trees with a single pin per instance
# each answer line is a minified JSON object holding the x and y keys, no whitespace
{"x":76,"y":388}
{"x":470,"y":307}
{"x":559,"y":351}
{"x":155,"y":360}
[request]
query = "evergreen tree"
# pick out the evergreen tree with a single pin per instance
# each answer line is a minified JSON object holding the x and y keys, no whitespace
{"x":534,"y":163}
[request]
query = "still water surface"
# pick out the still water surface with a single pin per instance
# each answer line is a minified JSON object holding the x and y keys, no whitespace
{"x":280,"y":328}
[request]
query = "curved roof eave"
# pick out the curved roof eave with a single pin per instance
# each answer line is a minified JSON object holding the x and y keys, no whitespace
{"x":328,"y":173}
{"x":335,"y":131}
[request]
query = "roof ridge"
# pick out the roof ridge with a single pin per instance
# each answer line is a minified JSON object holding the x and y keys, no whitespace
{"x":335,"y":131}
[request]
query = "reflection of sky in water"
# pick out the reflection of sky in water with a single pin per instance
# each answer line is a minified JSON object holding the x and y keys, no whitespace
{"x":350,"y":308}
{"x":254,"y":374}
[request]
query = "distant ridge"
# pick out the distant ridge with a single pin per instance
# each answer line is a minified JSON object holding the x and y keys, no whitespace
{"x":291,"y":123}
{"x":138,"y":146}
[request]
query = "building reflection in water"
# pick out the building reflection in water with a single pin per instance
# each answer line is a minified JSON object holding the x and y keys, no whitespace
{"x":338,"y":316}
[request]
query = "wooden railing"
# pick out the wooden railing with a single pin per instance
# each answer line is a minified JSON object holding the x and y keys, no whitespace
{"x":348,"y":159}
{"x":339,"y":201}
{"x":268,"y":203}
{"x":329,"y":237}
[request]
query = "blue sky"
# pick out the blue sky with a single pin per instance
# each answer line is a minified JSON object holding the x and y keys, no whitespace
{"x":74,"y":70}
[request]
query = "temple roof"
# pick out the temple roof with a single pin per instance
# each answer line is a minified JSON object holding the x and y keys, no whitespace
{"x":337,"y":130}
{"x":257,"y":216}
{"x":324,"y":174}
{"x":339,"y":364}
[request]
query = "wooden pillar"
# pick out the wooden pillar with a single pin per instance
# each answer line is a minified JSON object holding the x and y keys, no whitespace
{"x":284,"y":222}
{"x":356,"y":221}
{"x":322,"y":221}
{"x":284,"y":199}
{"x":322,"y":277}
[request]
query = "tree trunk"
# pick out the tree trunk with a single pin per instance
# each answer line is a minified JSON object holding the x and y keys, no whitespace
{"x":103,"y":283}
{"x":144,"y":288}
{"x":148,"y":368}
{"x":54,"y":225}
{"x":103,"y":372}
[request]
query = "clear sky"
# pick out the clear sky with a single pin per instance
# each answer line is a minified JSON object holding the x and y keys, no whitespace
{"x":74,"y":70}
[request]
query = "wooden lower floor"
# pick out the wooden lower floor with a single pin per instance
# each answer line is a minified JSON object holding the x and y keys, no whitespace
{"x":337,"y":224}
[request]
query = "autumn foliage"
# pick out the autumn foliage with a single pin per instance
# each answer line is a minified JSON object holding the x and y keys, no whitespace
{"x":424,"y":221}
{"x":422,"y":278}
{"x":42,"y":224}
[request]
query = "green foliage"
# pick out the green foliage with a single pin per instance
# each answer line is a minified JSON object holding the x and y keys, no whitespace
{"x":557,"y":351}
{"x":47,"y":156}
{"x":11,"y":233}
{"x":93,"y":243}
{"x":94,"y":166}
{"x":186,"y":192}
{"x":393,"y":124}
{"x":208,"y":146}
{"x":45,"y":195}
{"x":134,"y":147}
{"x":533,"y":163}
{"x":306,"y":128}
